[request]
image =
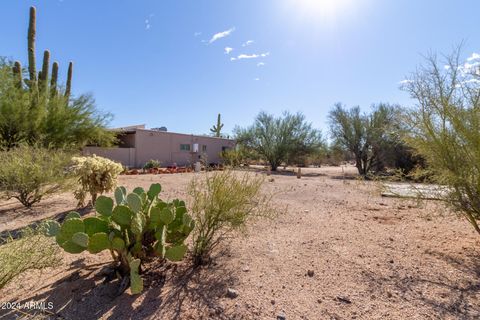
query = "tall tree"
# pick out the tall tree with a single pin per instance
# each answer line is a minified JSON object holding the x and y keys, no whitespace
{"x":216,"y":130}
{"x":367,"y":136}
{"x":280,"y":139}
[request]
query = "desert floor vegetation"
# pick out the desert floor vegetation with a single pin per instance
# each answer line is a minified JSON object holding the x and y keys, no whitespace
{"x":340,"y":250}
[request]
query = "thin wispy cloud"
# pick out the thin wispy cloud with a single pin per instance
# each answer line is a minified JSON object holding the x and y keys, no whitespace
{"x":250,"y":56}
{"x":228,"y":50}
{"x":148,"y":21}
{"x":257,"y":79}
{"x":196,"y":34}
{"x":247,"y":43}
{"x":260,"y":64}
{"x":221,"y":35}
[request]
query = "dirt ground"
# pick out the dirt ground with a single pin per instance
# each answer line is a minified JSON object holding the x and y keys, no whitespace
{"x":340,"y":251}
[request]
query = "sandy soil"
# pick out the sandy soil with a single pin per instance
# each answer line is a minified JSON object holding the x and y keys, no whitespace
{"x":369,"y":258}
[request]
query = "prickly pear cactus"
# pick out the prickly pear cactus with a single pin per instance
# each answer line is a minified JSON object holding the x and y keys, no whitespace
{"x":132,"y":227}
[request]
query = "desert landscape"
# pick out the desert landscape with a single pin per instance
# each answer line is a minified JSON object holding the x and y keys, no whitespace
{"x":337,"y":250}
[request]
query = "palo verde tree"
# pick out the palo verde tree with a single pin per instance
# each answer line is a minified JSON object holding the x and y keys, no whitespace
{"x":445,"y":127}
{"x":366,"y":136}
{"x":37,"y":111}
{"x":280,"y":139}
{"x":216,"y":130}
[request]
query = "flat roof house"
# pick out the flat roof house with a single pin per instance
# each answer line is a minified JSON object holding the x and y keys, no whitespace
{"x":137,"y":145}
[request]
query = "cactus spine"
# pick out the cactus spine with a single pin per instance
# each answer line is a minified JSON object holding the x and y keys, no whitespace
{"x":217,"y":129}
{"x":17,"y":73}
{"x":69,"y":80}
{"x":31,"y":48}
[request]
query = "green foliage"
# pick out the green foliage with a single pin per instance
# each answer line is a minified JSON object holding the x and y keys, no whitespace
{"x":445,"y":128}
{"x":32,"y":250}
{"x":367,"y":136}
{"x":234,"y":157}
{"x":37,"y":114}
{"x":139,"y":226}
{"x":216,"y":130}
{"x":30,"y":174}
{"x":96,"y":175}
{"x":282,"y":139}
{"x":223,"y":202}
{"x":151,"y":164}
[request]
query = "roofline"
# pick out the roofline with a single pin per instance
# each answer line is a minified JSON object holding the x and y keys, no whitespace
{"x":170,"y":132}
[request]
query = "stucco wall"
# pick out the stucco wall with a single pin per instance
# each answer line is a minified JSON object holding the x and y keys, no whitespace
{"x":125,"y":156}
{"x":165,"y":147}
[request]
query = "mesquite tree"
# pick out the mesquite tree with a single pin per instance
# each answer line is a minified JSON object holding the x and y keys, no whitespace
{"x":366,"y":136}
{"x":280,"y":139}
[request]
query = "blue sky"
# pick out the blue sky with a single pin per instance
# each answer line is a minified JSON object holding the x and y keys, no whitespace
{"x":160,"y":63}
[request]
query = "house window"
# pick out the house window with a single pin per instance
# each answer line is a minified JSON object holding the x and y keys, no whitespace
{"x":184,"y":147}
{"x":225,"y":148}
{"x":204,"y":148}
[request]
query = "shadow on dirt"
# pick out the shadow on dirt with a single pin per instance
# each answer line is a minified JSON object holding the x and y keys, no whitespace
{"x":445,"y":297}
{"x":171,"y":291}
{"x":16,"y":233}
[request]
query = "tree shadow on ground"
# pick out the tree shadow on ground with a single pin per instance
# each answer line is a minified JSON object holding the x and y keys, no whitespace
{"x":445,"y":296}
{"x":16,"y":233}
{"x":172,"y":291}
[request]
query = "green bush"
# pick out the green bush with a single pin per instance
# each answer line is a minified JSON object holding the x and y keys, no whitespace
{"x":96,"y":175}
{"x":446,"y":129}
{"x":139,"y":226}
{"x":151,"y":164}
{"x":233,"y":158}
{"x":223,"y":202}
{"x":31,"y":251}
{"x":30,"y":174}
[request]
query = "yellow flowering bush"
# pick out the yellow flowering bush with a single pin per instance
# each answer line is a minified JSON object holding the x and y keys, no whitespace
{"x":96,"y":175}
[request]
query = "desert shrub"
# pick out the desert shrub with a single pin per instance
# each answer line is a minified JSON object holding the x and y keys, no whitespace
{"x":233,"y":157}
{"x":223,"y":202}
{"x":96,"y":175}
{"x":445,"y":128}
{"x":32,"y":250}
{"x":140,"y":226}
{"x":151,"y":164}
{"x":280,"y":139}
{"x":30,"y":174}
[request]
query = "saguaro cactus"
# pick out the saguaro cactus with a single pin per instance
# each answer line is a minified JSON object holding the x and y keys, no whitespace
{"x":17,"y":73}
{"x":31,"y":48}
{"x":69,"y":80}
{"x":53,"y":82}
{"x":43,"y":77}
{"x":217,"y":129}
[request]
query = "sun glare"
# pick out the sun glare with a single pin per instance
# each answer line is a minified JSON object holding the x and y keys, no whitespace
{"x":324,"y":10}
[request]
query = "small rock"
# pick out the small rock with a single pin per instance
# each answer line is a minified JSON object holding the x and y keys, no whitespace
{"x":281,"y":316}
{"x":232,"y":293}
{"x":391,"y":261}
{"x":246,"y":268}
{"x":343,"y":300}
{"x":272,"y":301}
{"x":389,"y":294}
{"x":310,"y":273}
